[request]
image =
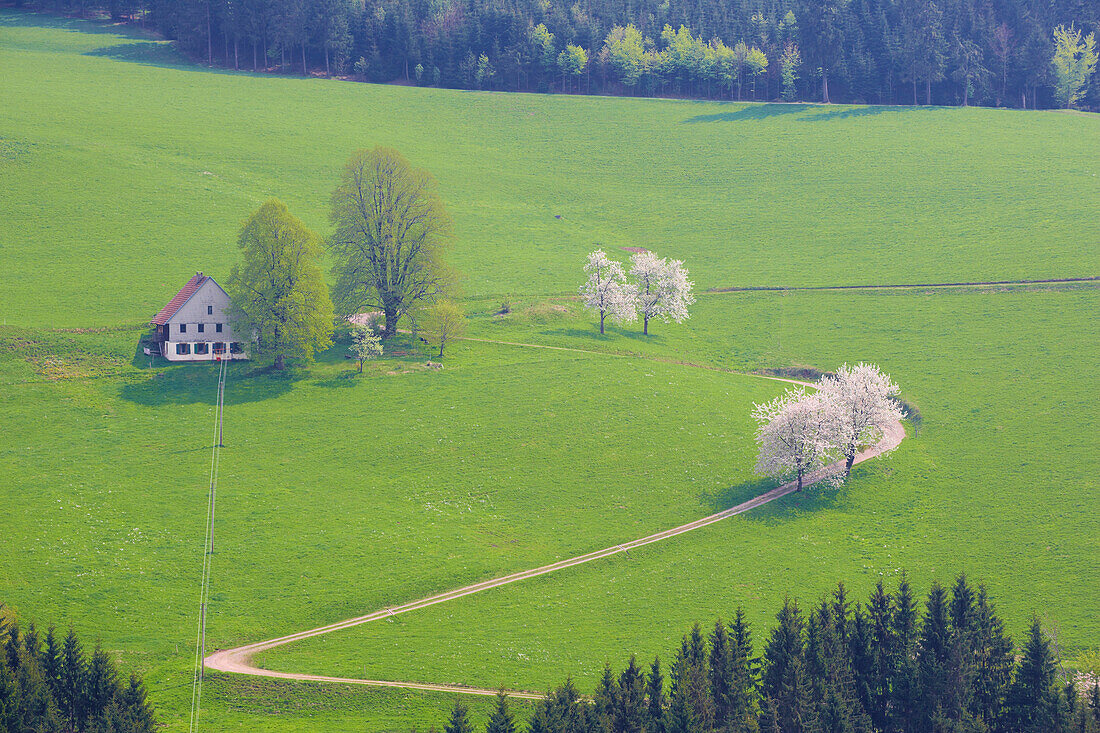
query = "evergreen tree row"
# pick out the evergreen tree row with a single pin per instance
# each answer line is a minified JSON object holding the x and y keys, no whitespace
{"x":992,"y":52}
{"x":839,"y":667}
{"x":51,"y":686}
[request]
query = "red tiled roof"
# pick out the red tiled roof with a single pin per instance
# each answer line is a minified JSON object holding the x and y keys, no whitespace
{"x":180,"y":298}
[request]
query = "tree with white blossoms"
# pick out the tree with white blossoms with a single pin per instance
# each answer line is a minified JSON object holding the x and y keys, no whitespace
{"x":793,"y":434}
{"x":607,"y":292}
{"x":861,"y":405}
{"x":663,"y":288}
{"x":365,"y":344}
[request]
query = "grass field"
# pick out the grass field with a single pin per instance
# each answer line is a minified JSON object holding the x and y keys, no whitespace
{"x":123,"y":170}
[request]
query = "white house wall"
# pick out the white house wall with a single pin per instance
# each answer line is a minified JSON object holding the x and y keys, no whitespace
{"x":209,"y":297}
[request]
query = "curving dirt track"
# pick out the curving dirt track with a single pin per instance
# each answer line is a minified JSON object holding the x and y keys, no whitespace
{"x":239,"y":659}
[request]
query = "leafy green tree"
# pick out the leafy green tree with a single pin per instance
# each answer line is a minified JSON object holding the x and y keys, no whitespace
{"x":460,"y":721}
{"x":788,"y":71}
{"x":624,"y":51}
{"x":391,"y":232}
{"x":572,"y":62}
{"x":1074,"y":63}
{"x":756,"y":63}
{"x":278,"y":292}
{"x":444,"y":321}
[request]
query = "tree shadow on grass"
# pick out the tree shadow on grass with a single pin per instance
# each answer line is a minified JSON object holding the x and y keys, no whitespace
{"x":197,"y":383}
{"x":150,"y":53}
{"x":813,"y":112}
{"x":27,"y":18}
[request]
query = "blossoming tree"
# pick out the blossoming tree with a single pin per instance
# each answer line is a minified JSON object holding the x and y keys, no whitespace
{"x":793,"y":434}
{"x":663,"y":288}
{"x":606,"y":291}
{"x":860,"y":400}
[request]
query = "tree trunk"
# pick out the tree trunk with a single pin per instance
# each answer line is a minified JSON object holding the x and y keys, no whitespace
{"x":328,"y":72}
{"x":392,"y":317}
{"x":850,"y":458}
{"x":825,"y":86}
{"x":915,"y":102}
{"x":602,"y":316}
{"x":279,"y":363}
{"x":304,"y":71}
{"x":645,"y":325}
{"x":360,"y":366}
{"x":928,"y":91}
{"x":800,"y":472}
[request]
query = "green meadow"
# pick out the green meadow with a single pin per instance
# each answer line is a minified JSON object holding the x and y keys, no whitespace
{"x":123,"y":170}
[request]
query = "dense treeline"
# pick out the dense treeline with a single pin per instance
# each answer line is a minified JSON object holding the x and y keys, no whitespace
{"x":49,"y":685}
{"x":993,"y":52}
{"x":838,"y":667}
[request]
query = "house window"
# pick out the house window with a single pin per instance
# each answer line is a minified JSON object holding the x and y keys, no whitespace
{"x":209,"y":310}
{"x":202,"y":327}
{"x":219,"y":347}
{"x":183,"y":349}
{"x":235,"y":348}
{"x":218,"y":327}
{"x":202,"y":347}
{"x":183,"y":328}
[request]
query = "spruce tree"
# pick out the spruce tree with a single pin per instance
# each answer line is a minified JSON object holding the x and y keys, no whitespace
{"x":73,"y":680}
{"x":460,"y":720}
{"x":904,"y":687}
{"x":540,"y":718}
{"x":102,"y":683}
{"x":721,"y":675}
{"x":1094,"y":703}
{"x":51,"y":663}
{"x":606,"y":698}
{"x":655,"y":697}
{"x":1032,"y":701}
{"x":743,"y":704}
{"x":862,"y":659}
{"x":630,"y":710}
{"x":139,"y":712}
{"x":784,"y":682}
{"x":501,"y":720}
{"x":880,"y":609}
{"x":934,"y":659}
{"x":993,"y":658}
{"x":679,"y":718}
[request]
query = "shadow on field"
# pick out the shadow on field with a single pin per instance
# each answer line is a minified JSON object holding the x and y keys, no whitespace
{"x":26,"y":18}
{"x":815,"y":112}
{"x":188,"y":384}
{"x":151,"y":53}
{"x":731,"y":496}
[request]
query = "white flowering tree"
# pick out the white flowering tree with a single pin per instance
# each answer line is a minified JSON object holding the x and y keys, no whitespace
{"x":606,"y":291}
{"x":793,"y":434}
{"x":365,"y":344}
{"x":662,"y":288}
{"x":860,"y":400}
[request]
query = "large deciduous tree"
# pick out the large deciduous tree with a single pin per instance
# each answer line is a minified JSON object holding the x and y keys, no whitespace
{"x":279,"y":296}
{"x":793,"y":434}
{"x":662,"y":288}
{"x":861,"y":400}
{"x":606,"y":291}
{"x":391,"y":232}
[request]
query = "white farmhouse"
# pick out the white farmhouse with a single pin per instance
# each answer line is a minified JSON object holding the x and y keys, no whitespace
{"x":194,"y":326}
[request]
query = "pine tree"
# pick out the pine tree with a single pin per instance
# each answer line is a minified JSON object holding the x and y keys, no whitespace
{"x":1032,"y":699}
{"x":655,"y":697}
{"x":630,"y":710}
{"x":460,"y":721}
{"x":862,"y":659}
{"x":933,"y":657}
{"x":137,"y":711}
{"x":679,"y":718}
{"x":540,"y":718}
{"x":501,"y":720}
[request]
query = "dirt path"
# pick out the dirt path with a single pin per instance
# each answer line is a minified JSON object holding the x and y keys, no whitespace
{"x":239,"y":659}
